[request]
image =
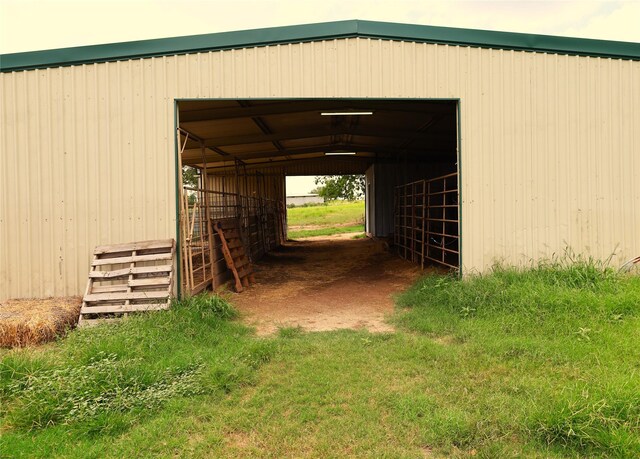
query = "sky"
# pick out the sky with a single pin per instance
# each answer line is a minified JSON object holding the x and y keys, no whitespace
{"x":27,"y":25}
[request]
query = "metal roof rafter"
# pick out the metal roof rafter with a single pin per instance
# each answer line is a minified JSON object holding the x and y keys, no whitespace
{"x":317,"y":132}
{"x":201,"y":142}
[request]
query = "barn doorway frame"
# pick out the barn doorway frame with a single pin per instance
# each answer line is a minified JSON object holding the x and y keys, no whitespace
{"x":178,"y":160}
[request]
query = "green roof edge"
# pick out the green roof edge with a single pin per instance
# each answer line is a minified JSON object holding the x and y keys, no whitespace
{"x":314,"y":32}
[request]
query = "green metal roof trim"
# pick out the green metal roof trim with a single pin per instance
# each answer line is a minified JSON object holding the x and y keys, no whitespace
{"x":315,"y":32}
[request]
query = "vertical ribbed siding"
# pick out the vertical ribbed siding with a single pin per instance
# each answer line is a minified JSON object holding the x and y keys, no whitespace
{"x":548,"y":146}
{"x":265,"y":185}
{"x":86,"y":160}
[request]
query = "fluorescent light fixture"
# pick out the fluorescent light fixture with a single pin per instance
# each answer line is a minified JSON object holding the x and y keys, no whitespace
{"x":345,"y":113}
{"x":339,"y":153}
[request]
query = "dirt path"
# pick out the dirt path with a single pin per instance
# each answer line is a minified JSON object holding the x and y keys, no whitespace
{"x":325,"y":283}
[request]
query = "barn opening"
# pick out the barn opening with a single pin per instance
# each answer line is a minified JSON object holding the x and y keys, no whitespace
{"x":235,"y":156}
{"x":325,"y":205}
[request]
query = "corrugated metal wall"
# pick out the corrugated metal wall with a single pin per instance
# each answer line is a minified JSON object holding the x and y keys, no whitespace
{"x":310,"y":166}
{"x":549,"y":146}
{"x":87,"y":159}
{"x":266,"y":184}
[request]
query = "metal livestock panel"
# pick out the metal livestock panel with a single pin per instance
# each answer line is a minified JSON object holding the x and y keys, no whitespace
{"x":386,"y":177}
{"x":548,"y":146}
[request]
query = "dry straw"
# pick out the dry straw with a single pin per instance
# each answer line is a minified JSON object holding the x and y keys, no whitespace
{"x":34,"y":321}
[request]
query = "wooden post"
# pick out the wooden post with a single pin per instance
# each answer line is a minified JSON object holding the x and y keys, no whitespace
{"x":183,"y":210}
{"x":207,"y":217}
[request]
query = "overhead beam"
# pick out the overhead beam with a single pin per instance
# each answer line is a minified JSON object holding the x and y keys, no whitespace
{"x":192,"y":138}
{"x":317,"y":132}
{"x":273,"y":154}
{"x":318,"y":105}
{"x":268,"y":157}
{"x":314,"y":149}
{"x":322,"y":148}
{"x":283,"y":161}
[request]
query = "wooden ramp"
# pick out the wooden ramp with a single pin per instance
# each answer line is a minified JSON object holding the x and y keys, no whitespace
{"x":235,"y":254}
{"x":125,"y":278}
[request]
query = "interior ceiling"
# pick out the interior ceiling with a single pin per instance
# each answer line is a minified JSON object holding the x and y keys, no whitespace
{"x":258,"y":133}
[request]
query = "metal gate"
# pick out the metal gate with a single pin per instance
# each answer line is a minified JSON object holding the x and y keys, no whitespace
{"x":427,"y":221}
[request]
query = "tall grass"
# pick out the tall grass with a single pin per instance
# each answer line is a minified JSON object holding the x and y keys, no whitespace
{"x":574,"y":321}
{"x":102,"y":380}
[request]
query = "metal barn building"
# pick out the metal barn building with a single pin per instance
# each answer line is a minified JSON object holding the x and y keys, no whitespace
{"x":477,"y":146}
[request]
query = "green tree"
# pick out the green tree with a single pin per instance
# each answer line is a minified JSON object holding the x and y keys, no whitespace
{"x":189,"y":176}
{"x":190,"y":179}
{"x":348,"y":187}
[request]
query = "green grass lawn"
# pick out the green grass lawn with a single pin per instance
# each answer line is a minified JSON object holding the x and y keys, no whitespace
{"x":542,"y":363}
{"x":326,"y":231}
{"x":329,"y":214}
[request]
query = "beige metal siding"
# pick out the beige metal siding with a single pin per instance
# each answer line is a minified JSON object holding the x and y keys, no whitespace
{"x":265,"y":185}
{"x":86,"y":159}
{"x":549,"y":146}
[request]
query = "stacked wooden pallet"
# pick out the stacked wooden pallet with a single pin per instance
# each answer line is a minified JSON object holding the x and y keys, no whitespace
{"x":124,"y":278}
{"x":235,"y":253}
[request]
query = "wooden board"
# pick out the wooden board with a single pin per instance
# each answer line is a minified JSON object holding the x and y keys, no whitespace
{"x":145,"y":285}
{"x":98,"y":297}
{"x":123,"y":308}
{"x":131,"y":246}
{"x":132,"y":259}
{"x":235,"y":254}
{"x":127,"y":271}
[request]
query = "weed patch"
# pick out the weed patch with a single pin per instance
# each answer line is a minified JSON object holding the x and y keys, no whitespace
{"x":569,"y":326}
{"x":105,"y":380}
{"x":208,"y":306}
{"x":605,"y":423}
{"x":103,"y":386}
{"x":290,"y":332}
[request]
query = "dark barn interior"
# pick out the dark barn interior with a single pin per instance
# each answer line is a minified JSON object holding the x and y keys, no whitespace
{"x":240,"y":151}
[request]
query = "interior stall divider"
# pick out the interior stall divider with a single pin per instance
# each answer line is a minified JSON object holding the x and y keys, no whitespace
{"x":427,"y":221}
{"x":216,"y":198}
{"x":203,"y":263}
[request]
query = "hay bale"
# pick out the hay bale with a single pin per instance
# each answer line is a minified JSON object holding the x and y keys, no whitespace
{"x":31,"y":321}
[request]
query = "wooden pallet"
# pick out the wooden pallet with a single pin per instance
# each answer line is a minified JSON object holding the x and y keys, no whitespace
{"x":235,"y":254}
{"x":124,"y":278}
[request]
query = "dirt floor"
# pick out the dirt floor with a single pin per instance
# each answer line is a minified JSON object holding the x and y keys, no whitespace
{"x":325,"y":283}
